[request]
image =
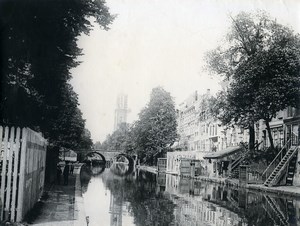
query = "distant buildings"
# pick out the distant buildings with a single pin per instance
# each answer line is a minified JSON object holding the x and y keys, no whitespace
{"x":218,"y":147}
{"x":199,"y":131}
{"x":121,"y":111}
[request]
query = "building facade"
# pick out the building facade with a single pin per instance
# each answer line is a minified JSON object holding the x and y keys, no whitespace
{"x":218,"y":148}
{"x":199,"y":131}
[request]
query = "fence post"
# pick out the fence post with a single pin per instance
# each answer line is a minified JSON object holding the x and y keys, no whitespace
{"x":9,"y":173}
{"x":4,"y":163}
{"x":21,"y":176}
{"x":2,"y":185}
{"x":15,"y":174}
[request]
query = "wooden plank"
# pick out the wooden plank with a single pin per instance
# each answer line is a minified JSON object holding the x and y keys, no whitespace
{"x":21,"y":176}
{"x":1,"y":184}
{"x":9,"y":173}
{"x":3,"y":173}
{"x":15,"y":174}
{"x":28,"y":172}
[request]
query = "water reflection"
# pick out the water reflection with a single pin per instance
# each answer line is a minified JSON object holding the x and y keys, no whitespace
{"x":121,"y":169}
{"x":141,"y":198}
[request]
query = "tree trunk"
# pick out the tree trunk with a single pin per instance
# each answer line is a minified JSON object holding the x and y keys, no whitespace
{"x":251,"y":137}
{"x":270,"y":134}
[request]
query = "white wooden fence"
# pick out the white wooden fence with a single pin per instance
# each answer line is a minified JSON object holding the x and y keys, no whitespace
{"x":23,"y":158}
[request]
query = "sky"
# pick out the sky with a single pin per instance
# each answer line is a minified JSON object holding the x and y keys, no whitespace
{"x":157,"y":43}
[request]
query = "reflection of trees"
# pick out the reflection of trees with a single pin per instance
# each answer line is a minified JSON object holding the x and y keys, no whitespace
{"x":85,"y":176}
{"x":122,"y":169}
{"x":146,"y":204}
{"x":119,"y":168}
{"x":97,"y":170}
{"x":87,"y":172}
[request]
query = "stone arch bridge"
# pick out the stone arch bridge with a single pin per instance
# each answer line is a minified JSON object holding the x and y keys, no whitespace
{"x":103,"y":155}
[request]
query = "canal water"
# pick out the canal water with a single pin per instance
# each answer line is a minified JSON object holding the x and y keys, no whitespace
{"x":118,"y":196}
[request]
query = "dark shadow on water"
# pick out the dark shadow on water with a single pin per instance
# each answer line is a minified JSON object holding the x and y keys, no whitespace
{"x":87,"y":172}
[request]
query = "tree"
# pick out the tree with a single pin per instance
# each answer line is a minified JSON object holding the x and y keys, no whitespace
{"x":38,"y":42}
{"x":261,"y":63}
{"x":117,"y":141}
{"x":156,"y":128}
{"x":97,"y":145}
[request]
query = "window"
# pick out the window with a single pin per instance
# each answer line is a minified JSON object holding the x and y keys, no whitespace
{"x":290,"y":111}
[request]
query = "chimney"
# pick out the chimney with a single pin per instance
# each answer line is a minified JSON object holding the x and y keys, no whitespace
{"x":208,"y":91}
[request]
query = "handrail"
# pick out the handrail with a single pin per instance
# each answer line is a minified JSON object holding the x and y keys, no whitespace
{"x":279,"y":153}
{"x":240,"y":159}
{"x":294,"y":137}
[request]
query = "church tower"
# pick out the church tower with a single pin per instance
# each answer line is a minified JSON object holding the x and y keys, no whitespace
{"x":121,"y":111}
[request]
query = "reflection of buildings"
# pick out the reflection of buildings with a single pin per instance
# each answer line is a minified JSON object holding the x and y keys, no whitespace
{"x":121,"y":111}
{"x":117,"y":209}
{"x":202,"y":203}
{"x":194,"y":203}
{"x":161,"y":182}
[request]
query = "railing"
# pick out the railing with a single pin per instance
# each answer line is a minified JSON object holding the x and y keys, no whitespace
{"x":23,"y":155}
{"x":275,"y":161}
{"x":242,"y":157}
{"x":293,"y":141}
{"x":255,"y":174}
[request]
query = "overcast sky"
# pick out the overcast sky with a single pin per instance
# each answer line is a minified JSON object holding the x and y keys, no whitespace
{"x":157,"y":43}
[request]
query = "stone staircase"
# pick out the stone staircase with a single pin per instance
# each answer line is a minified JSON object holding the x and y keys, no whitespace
{"x":277,"y":173}
{"x":291,"y":170}
{"x":234,"y":170}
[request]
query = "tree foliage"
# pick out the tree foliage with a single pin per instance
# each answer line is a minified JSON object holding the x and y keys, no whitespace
{"x":38,"y":43}
{"x":156,"y":127}
{"x":152,"y":134}
{"x":260,"y":61}
{"x":117,"y":141}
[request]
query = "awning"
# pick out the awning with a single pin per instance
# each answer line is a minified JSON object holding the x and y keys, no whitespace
{"x":223,"y":153}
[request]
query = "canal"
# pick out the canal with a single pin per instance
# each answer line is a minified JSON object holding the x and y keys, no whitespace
{"x":119,"y":196}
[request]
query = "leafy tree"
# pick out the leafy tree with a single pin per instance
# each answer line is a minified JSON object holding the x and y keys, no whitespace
{"x":261,"y":63}
{"x":85,"y":140}
{"x":38,"y":43}
{"x":156,"y":128}
{"x":97,"y":145}
{"x":118,"y":139}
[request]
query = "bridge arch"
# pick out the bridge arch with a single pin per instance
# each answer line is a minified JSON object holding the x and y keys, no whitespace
{"x":90,"y":154}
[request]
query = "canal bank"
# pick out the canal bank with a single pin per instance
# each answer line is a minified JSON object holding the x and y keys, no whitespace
{"x":61,"y":205}
{"x":285,"y":190}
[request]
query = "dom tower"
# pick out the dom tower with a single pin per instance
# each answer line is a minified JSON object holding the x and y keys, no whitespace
{"x":121,"y":111}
